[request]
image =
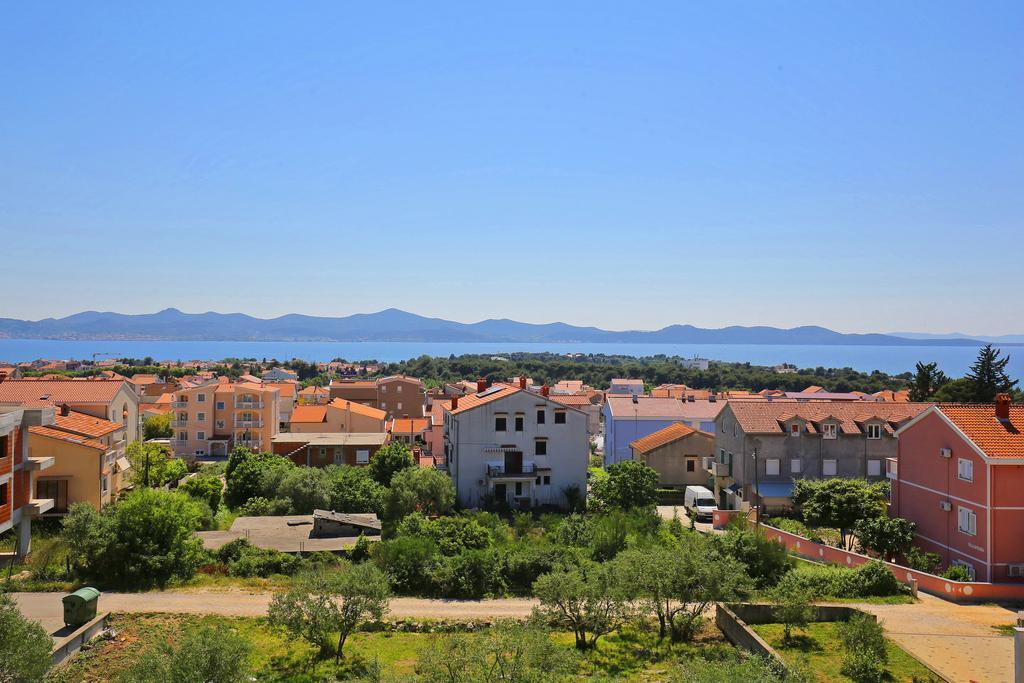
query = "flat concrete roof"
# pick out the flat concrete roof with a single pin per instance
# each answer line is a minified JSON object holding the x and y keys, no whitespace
{"x":332,"y":439}
{"x":289,"y":534}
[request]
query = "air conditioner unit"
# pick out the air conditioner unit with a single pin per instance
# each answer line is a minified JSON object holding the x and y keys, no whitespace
{"x":1015,"y":571}
{"x":945,"y":505}
{"x":946,"y":452}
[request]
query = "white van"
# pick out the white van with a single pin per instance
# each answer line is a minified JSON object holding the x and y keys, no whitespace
{"x":700,"y":503}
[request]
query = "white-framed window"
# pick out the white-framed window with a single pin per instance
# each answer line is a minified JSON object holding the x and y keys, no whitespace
{"x":559,"y":417}
{"x":383,"y":389}
{"x":540,"y":446}
{"x":220,"y":405}
{"x":220,"y":424}
{"x":182,"y":436}
{"x":967,"y":521}
{"x":201,"y":398}
{"x":796,"y":466}
{"x":398,"y":406}
{"x":201,"y":436}
{"x":339,"y":456}
{"x":771,"y":467}
{"x":106,"y":483}
{"x":874,"y":468}
{"x":965,"y":469}
{"x":382,"y":404}
{"x":966,"y":565}
{"x":362,"y":456}
{"x":500,"y":422}
{"x":794,"y":429}
{"x":874,"y":431}
{"x":398,"y":388}
{"x":828,"y":468}
{"x":201,"y":417}
{"x":828,"y":430}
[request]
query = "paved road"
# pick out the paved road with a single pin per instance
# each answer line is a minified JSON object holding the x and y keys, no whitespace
{"x":667,"y":512}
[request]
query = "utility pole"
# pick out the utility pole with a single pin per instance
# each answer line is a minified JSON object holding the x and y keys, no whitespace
{"x":757,"y":487}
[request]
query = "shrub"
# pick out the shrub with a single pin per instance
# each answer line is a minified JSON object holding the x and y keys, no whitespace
{"x":629,"y":484}
{"x":575,"y":530}
{"x":418,"y":490}
{"x":361,"y":550}
{"x":407,"y":560}
{"x":216,"y":654}
{"x":390,"y":459}
{"x":24,"y":645}
{"x":307,"y":489}
{"x":523,"y":563}
{"x":451,"y":534}
{"x":260,"y":562}
{"x":610,"y":532}
{"x":469,"y":575}
{"x":827,"y":581}
{"x":353,"y":489}
{"x":258,"y":506}
{"x":206,"y":489}
{"x":957,"y":572}
{"x":864,"y":643}
{"x":875,"y":579}
{"x":766,"y":560}
{"x":922,"y":561}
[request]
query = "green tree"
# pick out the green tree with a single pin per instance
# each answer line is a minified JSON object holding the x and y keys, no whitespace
{"x":793,"y":608}
{"x":629,"y":484}
{"x":864,"y":644}
{"x":839,"y":503}
{"x":146,"y":538}
{"x":153,"y":464}
{"x":353,"y":489}
{"x":308,"y":489}
{"x":157,"y":427}
{"x":887,"y":536}
{"x":767,"y":561}
{"x":586,"y":599}
{"x":428,"y":491}
{"x":24,"y":645}
{"x":988,"y":375}
{"x":390,"y":459}
{"x":254,"y":474}
{"x":927,"y":380}
{"x":206,"y":489}
{"x":208,"y":653}
{"x":321,"y":604}
{"x":955,"y":391}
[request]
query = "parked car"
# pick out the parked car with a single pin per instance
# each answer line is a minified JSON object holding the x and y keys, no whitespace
{"x":700,"y":503}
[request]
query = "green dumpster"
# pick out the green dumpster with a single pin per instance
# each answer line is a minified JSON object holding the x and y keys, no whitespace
{"x":80,"y":606}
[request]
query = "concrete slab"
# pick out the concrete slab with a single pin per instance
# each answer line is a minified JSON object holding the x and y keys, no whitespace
{"x":288,"y":534}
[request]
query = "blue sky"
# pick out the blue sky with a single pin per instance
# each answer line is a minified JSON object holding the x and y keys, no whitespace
{"x":854,"y":165}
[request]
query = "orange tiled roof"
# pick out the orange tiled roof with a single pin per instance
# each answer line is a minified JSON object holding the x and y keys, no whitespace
{"x":308,"y":413}
{"x":813,"y":389}
{"x":409,"y":425}
{"x":55,"y":392}
{"x":313,"y":390}
{"x":571,"y":399}
{"x":86,"y":425}
{"x":358,"y":408}
{"x":766,"y":417}
{"x":287,"y":389}
{"x":51,"y":433}
{"x":470,"y":401}
{"x":663,"y":437}
{"x":979,"y":423}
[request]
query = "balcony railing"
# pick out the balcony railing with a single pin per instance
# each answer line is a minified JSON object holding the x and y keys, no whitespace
{"x":250,"y":443}
{"x":527,"y":468}
{"x":179,"y":404}
{"x":244,"y":403}
{"x":179,"y":423}
{"x":249,"y":423}
{"x":178,"y":444}
{"x":719,"y":469}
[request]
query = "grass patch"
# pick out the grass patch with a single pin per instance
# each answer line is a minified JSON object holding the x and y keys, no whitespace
{"x":1003,"y":629}
{"x":820,"y":649}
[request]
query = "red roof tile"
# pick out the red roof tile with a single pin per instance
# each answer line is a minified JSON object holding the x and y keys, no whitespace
{"x":67,"y":437}
{"x":995,"y":438}
{"x":663,"y":437}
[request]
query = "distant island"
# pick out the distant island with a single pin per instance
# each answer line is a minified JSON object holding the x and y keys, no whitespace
{"x":394,"y":325}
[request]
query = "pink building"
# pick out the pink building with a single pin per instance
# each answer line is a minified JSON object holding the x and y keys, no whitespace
{"x":959,"y":476}
{"x":214,"y":418}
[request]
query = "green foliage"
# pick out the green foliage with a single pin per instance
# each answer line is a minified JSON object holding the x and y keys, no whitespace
{"x":509,"y":651}
{"x":766,"y":561}
{"x":750,"y":670}
{"x":157,"y":427}
{"x":839,"y":503}
{"x":361,"y":550}
{"x":322,"y":604}
{"x":927,"y":380}
{"x":307,"y":488}
{"x":887,"y":536}
{"x":153,"y":463}
{"x":144,"y":539}
{"x":957,"y":572}
{"x":610,"y":532}
{"x":407,"y":560}
{"x":586,"y":599}
{"x":252,"y":474}
{"x":258,"y":506}
{"x":24,"y":645}
{"x":988,"y":375}
{"x":629,"y":484}
{"x":955,"y":391}
{"x":213,"y":654}
{"x":353,"y":489}
{"x":793,"y":608}
{"x":922,"y":561}
{"x":390,"y":459}
{"x":428,"y":491}
{"x":864,"y":643}
{"x":452,"y":535}
{"x":575,"y":530}
{"x":872,"y":579}
{"x":206,"y":489}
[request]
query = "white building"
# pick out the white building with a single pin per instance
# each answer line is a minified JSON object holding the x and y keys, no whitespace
{"x":508,"y":444}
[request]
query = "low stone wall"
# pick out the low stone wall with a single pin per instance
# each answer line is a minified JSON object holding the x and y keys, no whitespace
{"x":751,"y":613}
{"x":721,"y":518}
{"x":70,"y":644}
{"x":739,"y":634}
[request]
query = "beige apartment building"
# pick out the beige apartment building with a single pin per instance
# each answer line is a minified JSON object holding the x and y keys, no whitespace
{"x":397,"y":395}
{"x":214,"y":418}
{"x":338,"y":416}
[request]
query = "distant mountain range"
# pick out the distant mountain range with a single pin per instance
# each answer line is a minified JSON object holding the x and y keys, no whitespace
{"x":400,"y":326}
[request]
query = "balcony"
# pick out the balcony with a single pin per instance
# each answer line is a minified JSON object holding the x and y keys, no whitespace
{"x":526,"y":471}
{"x":240,"y":424}
{"x":254,"y":444}
{"x":719,"y":469}
{"x":248,"y":403}
{"x":891,"y":468}
{"x":178,"y":444}
{"x":34,"y":464}
{"x":179,"y":404}
{"x":177,"y":423}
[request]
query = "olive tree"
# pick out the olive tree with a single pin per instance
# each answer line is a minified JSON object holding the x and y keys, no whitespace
{"x":586,"y":600}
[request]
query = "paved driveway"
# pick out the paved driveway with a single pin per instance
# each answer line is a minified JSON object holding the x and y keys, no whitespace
{"x":667,"y":512}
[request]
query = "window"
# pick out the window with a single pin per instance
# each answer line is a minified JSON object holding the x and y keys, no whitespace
{"x":796,"y":466}
{"x":559,"y":417}
{"x":3,"y":493}
{"x":182,"y":417}
{"x":828,"y":468}
{"x":220,"y":405}
{"x":382,"y":405}
{"x":828,"y":431}
{"x":968,"y":521}
{"x":398,"y":406}
{"x":966,"y":565}
{"x":362,"y":456}
{"x":691,"y":466}
{"x":520,"y":418}
{"x":874,"y":468}
{"x":771,"y":467}
{"x":519,"y":488}
{"x":541,"y":416}
{"x":220,"y":424}
{"x":201,"y":398}
{"x":794,"y":429}
{"x":398,"y":388}
{"x":56,"y":490}
{"x":201,"y":436}
{"x":547,"y":479}
{"x":500,"y":423}
{"x":105,"y":486}
{"x":965,"y":469}
{"x":201,"y":417}
{"x":182,"y":436}
{"x":383,"y":389}
{"x":540,"y":447}
{"x":874,"y":431}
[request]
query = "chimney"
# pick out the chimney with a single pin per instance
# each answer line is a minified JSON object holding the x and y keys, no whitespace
{"x":481,"y":385}
{"x":522,"y":381}
{"x":65,"y":411}
{"x":1003,"y":402}
{"x":544,"y":390}
{"x":455,"y":401}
